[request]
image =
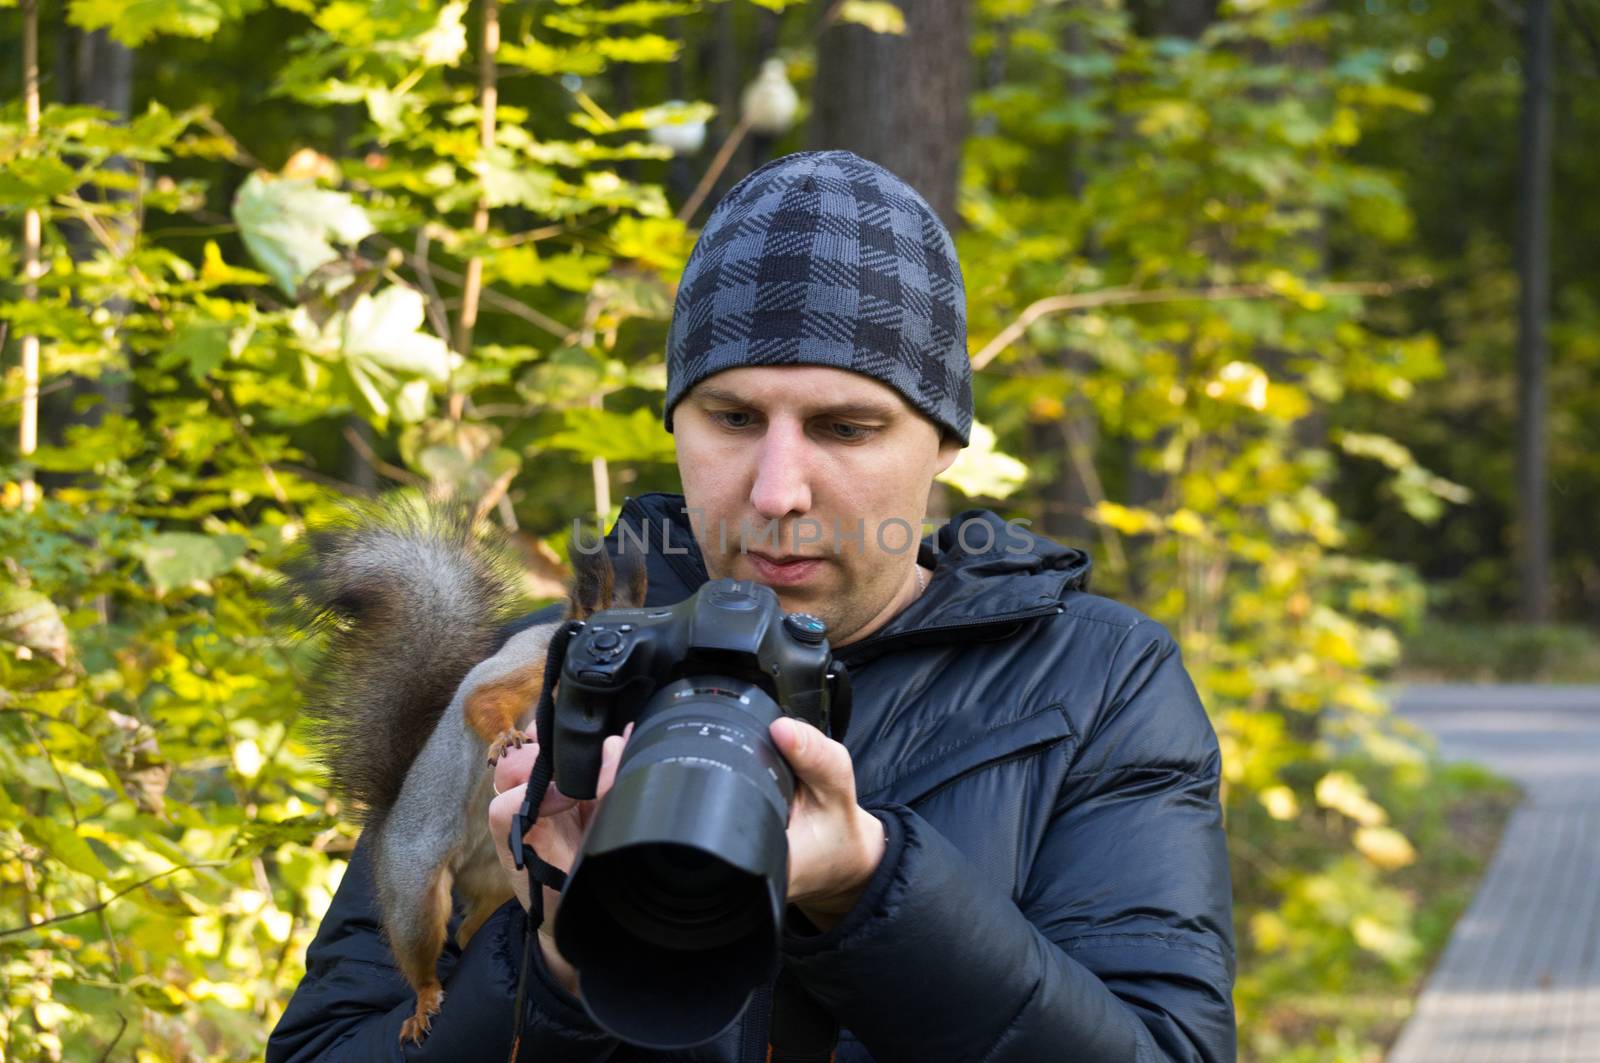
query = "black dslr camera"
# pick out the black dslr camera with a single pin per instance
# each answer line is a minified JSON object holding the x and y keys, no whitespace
{"x":673,"y":910}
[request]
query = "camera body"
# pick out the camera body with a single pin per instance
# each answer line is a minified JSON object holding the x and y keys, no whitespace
{"x":728,"y":628}
{"x":673,"y":911}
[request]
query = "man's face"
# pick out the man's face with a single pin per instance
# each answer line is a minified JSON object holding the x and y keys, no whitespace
{"x":814,"y":463}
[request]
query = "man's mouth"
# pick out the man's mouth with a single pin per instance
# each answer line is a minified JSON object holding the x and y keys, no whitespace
{"x":787,"y":571}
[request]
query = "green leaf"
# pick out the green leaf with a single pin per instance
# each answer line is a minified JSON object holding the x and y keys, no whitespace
{"x":290,"y":225}
{"x":660,"y":243}
{"x":28,"y":618}
{"x":508,"y":180}
{"x":64,"y":844}
{"x":183,"y":559}
{"x":32,"y":181}
{"x":200,"y":347}
{"x":385,"y":329}
{"x":675,"y":112}
{"x":636,"y":436}
{"x":539,"y":58}
{"x":93,"y":448}
{"x":132,"y":22}
{"x":645,"y":48}
{"x":571,"y":375}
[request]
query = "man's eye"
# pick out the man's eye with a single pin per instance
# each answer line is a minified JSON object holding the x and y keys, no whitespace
{"x":848,"y":432}
{"x":732,"y":418}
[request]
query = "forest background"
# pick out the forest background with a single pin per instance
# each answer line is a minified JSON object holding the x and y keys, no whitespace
{"x":1243,"y":286}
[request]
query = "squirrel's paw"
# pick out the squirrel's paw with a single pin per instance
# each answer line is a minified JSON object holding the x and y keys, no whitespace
{"x":429,"y":998}
{"x":508,"y":739}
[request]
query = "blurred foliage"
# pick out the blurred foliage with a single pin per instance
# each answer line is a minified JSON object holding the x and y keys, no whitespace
{"x":1459,"y":163}
{"x":1503,"y":653}
{"x":253,"y":306}
{"x":1162,"y":210}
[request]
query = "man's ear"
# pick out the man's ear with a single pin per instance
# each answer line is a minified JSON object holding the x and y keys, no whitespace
{"x":949,"y":450}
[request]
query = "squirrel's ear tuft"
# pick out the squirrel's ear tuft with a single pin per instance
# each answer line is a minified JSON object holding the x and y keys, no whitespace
{"x":631,"y":580}
{"x":600,"y":581}
{"x":593,"y":583}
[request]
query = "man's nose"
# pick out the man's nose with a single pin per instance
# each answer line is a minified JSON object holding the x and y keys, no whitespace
{"x":782,"y":482}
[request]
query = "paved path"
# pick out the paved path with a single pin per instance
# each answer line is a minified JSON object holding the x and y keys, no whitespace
{"x":1519,"y":981}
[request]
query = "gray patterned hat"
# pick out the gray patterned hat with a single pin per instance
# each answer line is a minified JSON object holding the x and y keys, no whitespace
{"x":824,"y":258}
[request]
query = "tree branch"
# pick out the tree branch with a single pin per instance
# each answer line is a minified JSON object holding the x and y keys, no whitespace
{"x":393,"y":472}
{"x":103,"y":904}
{"x":1062,"y":304}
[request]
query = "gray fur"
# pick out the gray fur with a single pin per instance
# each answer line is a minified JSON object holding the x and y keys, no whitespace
{"x":429,"y":824}
{"x":410,"y":597}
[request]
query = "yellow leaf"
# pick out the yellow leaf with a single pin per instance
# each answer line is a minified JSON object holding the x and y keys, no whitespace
{"x":1187,"y":522}
{"x":879,"y":16}
{"x":50,"y":1013}
{"x":1280,"y":802}
{"x":1126,"y":519}
{"x":277,"y":924}
{"x":1387,"y":941}
{"x":1385,"y":846}
{"x":982,"y":470}
{"x":1046,"y":408}
{"x":229,"y":994}
{"x":247,"y":758}
{"x":1269,"y":931}
{"x":1241,"y":383}
{"x":1340,"y":791}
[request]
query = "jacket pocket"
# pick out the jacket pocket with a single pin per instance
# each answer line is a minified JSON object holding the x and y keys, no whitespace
{"x":929,"y":771}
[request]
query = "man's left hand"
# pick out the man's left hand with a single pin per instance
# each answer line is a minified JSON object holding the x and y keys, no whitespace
{"x":834,"y":844}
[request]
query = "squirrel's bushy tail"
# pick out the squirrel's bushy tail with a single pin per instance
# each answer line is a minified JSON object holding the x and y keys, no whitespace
{"x":410,"y":596}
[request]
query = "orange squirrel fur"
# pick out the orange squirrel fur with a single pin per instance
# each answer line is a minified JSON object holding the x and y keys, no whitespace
{"x":412,"y":699}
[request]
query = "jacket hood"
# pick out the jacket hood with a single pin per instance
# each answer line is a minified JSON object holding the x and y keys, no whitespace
{"x":988,"y":574}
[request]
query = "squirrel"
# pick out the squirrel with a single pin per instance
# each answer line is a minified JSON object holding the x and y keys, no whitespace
{"x":411,"y":699}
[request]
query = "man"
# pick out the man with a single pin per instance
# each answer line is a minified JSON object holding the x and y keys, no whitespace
{"x":1017,"y":852}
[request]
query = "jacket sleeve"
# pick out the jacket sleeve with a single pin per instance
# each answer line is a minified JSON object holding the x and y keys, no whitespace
{"x":353,"y":999}
{"x":1118,"y":946}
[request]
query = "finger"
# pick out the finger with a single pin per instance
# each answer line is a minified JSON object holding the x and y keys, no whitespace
{"x":610,"y":757}
{"x":817,"y":760}
{"x":501,"y":809}
{"x":514,"y":767}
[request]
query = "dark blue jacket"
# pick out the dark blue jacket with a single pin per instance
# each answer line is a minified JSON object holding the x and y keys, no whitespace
{"x":1056,"y":880}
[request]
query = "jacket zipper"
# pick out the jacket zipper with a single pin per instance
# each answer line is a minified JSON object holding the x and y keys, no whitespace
{"x":941,"y":629}
{"x":757,"y":1027}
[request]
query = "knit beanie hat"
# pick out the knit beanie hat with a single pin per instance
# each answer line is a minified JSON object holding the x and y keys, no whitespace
{"x":824,"y":258}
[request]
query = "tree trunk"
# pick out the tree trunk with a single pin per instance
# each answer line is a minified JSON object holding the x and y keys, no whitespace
{"x":1533,"y":265}
{"x":98,"y":72}
{"x":1173,"y":18}
{"x":28,"y":431}
{"x":900,"y":100}
{"x":1147,"y":487}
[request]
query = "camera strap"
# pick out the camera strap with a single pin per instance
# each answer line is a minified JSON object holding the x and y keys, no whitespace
{"x":802,"y":1030}
{"x":540,"y":873}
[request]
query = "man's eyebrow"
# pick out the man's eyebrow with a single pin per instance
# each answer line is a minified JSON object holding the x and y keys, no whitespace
{"x":864,"y":408}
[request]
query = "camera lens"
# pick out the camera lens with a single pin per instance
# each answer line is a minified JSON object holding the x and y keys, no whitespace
{"x":682,"y":898}
{"x":674,"y":907}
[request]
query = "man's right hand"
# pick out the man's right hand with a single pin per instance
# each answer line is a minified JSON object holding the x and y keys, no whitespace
{"x":556,"y":837}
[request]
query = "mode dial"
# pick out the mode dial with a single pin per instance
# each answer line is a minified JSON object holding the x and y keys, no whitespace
{"x":805,"y":627}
